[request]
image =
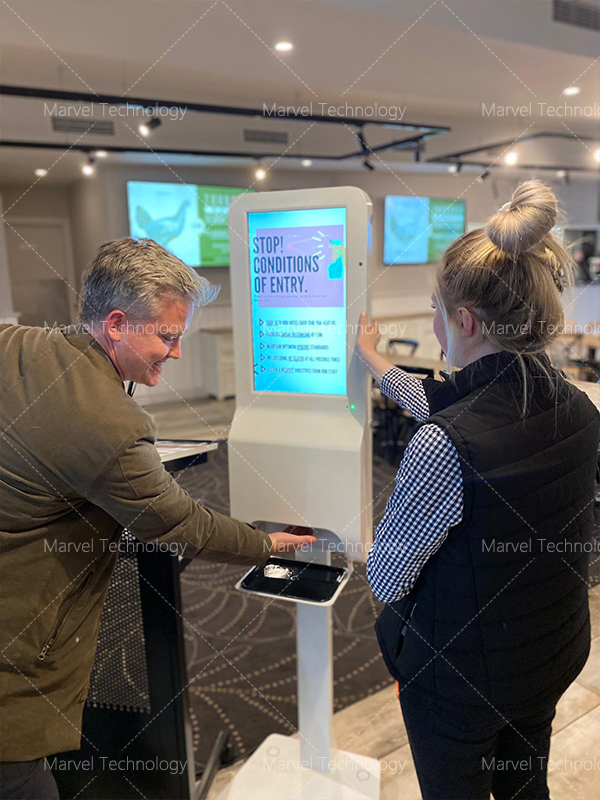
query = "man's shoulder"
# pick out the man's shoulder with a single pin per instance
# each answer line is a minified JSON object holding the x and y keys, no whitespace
{"x":33,"y":338}
{"x":81,"y":390}
{"x":22,"y":347}
{"x":29,"y":342}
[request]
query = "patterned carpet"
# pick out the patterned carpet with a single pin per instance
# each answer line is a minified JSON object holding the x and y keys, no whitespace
{"x":250,"y":690}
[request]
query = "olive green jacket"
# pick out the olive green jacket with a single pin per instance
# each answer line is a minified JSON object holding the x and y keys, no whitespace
{"x":77,"y":463}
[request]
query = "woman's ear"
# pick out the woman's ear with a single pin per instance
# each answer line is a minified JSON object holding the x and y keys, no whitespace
{"x":467,"y":321}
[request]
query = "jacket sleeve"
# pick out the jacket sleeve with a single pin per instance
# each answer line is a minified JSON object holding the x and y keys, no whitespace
{"x":138,"y":492}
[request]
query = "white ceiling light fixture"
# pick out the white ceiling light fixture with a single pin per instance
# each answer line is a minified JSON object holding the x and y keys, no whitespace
{"x":88,"y":168}
{"x":283,"y":46}
{"x":561,"y":173}
{"x":307,"y":162}
{"x":100,"y":153}
{"x":453,"y":168}
{"x":39,"y":173}
{"x":146,"y":128}
{"x":571,"y":90}
{"x":260,"y":173}
{"x":597,"y":155}
{"x":511,"y":158}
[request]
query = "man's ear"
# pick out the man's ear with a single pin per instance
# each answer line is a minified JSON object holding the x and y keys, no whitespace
{"x":115,"y":322}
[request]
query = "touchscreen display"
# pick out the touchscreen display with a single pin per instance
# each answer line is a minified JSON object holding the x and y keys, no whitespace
{"x":298,"y":296}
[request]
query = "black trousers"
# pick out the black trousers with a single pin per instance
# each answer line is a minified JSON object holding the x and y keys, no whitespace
{"x":470,"y":754}
{"x":27,"y":780}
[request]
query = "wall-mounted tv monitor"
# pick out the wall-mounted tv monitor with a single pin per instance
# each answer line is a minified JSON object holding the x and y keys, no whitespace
{"x":417,"y":230}
{"x":191,"y":221}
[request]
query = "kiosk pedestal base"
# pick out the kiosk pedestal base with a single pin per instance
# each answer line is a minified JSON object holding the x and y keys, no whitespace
{"x":308,"y":767}
{"x":274,"y":772}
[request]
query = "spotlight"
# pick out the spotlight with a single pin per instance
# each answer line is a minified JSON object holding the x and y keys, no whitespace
{"x":40,"y":172}
{"x":100,"y":153}
{"x":146,"y":128}
{"x":571,"y":90}
{"x":260,"y":174}
{"x":561,"y":173}
{"x":306,"y":162}
{"x":453,"y":168}
{"x":88,"y":168}
{"x":484,"y":175}
{"x":597,"y":155}
{"x":367,"y":165}
{"x":284,"y":47}
{"x":511,"y":158}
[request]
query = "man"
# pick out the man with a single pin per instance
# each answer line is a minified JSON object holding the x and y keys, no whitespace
{"x":78,"y":464}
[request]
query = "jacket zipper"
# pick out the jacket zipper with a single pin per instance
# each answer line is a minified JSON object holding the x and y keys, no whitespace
{"x":60,"y":623}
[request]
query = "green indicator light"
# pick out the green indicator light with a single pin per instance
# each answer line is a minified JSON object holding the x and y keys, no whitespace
{"x":352,"y":406}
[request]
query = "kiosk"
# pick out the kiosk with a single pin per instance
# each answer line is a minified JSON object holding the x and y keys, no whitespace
{"x":300,"y":447}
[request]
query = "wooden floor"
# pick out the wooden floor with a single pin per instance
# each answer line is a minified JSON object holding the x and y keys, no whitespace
{"x":374,"y":728}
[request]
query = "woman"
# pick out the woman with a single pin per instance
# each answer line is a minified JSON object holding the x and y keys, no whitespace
{"x":481,"y":556}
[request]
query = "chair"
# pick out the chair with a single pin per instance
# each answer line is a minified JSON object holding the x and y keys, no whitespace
{"x":392,"y":346}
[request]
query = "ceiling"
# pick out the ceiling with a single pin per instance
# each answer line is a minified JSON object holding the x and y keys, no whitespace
{"x":441,"y":61}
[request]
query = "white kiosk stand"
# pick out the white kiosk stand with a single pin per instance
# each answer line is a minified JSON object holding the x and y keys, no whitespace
{"x":300,"y":449}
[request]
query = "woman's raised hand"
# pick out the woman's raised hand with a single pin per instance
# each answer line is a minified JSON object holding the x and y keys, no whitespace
{"x":368,"y":334}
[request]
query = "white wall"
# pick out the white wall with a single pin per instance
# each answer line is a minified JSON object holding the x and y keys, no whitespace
{"x":579,"y":201}
{"x":36,"y":200}
{"x":97,"y":208}
{"x":32,"y":200}
{"x":7,"y":312}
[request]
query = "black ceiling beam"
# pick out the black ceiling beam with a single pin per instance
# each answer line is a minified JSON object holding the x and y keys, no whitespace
{"x":534,"y":167}
{"x":397,"y":144}
{"x":87,"y":148}
{"x":203,"y":108}
{"x":459,"y":154}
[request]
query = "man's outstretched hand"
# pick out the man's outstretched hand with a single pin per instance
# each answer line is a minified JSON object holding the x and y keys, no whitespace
{"x":291,"y":538}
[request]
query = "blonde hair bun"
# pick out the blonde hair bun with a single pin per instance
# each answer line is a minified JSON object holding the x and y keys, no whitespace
{"x":523,"y":222}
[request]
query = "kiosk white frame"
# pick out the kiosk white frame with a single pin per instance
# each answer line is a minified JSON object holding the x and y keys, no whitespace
{"x":306,"y":460}
{"x":326,"y":440}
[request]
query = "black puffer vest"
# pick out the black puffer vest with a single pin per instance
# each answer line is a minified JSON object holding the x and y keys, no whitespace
{"x":500,"y":613}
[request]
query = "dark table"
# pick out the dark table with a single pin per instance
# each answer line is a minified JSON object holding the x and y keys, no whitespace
{"x":136,"y":734}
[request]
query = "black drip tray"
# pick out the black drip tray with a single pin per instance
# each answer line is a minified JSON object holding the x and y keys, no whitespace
{"x":298,"y":581}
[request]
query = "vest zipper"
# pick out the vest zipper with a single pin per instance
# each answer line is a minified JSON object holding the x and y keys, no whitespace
{"x":405,"y":627}
{"x":60,"y":623}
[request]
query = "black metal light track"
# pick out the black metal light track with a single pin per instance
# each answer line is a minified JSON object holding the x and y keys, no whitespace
{"x":458,"y":157}
{"x":425,"y":131}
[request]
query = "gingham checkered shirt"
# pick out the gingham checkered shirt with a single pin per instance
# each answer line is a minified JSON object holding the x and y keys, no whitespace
{"x":427,"y":500}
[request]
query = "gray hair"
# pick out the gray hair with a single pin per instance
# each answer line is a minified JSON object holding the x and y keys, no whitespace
{"x":135,"y":276}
